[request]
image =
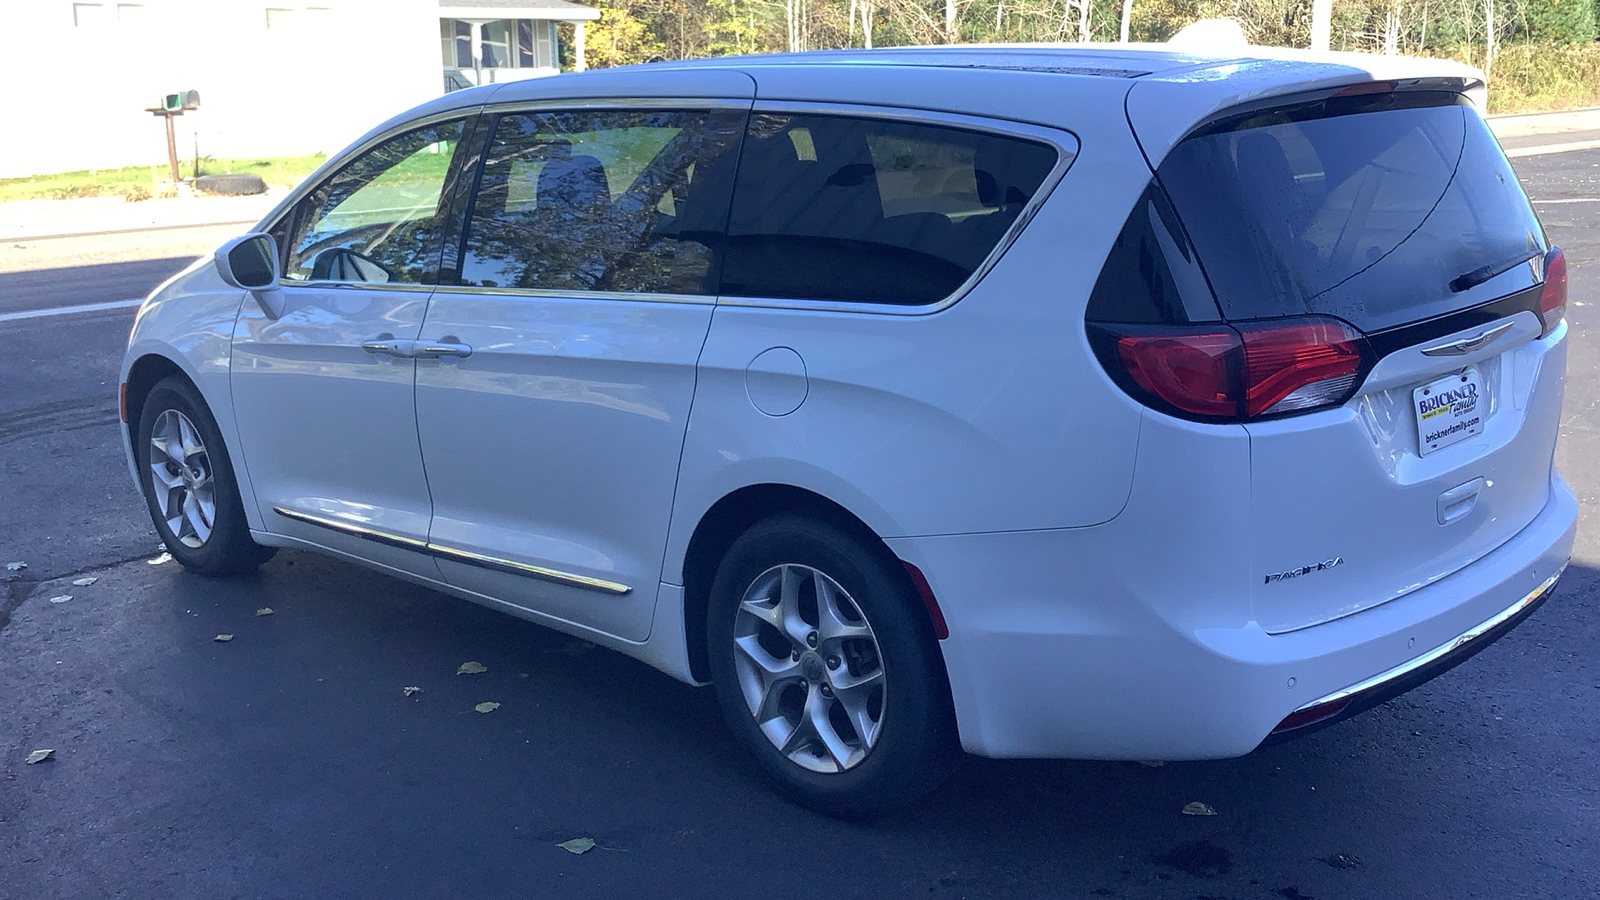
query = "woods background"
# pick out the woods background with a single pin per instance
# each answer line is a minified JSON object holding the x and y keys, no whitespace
{"x":1539,"y":53}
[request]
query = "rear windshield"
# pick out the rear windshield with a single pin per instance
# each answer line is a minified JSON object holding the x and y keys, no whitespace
{"x":1377,"y":209}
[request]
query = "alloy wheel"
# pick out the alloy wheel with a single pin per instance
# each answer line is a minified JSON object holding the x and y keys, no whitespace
{"x":809,"y":668}
{"x":181,"y":479}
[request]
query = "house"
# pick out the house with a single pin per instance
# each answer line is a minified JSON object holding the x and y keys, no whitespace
{"x":487,"y":41}
{"x":275,"y":77}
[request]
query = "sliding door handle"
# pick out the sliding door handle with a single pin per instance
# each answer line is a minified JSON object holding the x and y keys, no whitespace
{"x":444,"y":347}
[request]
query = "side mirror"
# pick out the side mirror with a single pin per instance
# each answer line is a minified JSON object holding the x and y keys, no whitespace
{"x":251,"y":263}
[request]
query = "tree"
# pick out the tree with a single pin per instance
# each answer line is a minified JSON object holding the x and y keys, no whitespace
{"x":620,"y":38}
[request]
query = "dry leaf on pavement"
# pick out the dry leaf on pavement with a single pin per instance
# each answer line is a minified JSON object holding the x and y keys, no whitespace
{"x":16,"y":566}
{"x":39,"y":756}
{"x":411,"y":689}
{"x":85,"y":582}
{"x":1199,"y":809}
{"x":487,"y":706}
{"x":472,"y":667}
{"x":264,"y":611}
{"x":61,"y":599}
{"x":577,"y":846}
{"x":223,"y":638}
{"x":159,"y":560}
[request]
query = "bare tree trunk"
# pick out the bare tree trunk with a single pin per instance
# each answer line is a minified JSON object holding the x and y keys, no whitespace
{"x":851,"y":32}
{"x":866,"y":22}
{"x":1391,"y":31}
{"x":1488,"y":37}
{"x":792,"y":20}
{"x":949,"y":21}
{"x":1127,"y":17}
{"x":1083,"y":21}
{"x":1321,"y":23}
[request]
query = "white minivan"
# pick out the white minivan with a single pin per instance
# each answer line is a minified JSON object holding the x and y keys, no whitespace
{"x":1105,"y":403}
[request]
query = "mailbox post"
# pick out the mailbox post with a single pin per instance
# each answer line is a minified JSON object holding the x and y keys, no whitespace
{"x":172,"y":106}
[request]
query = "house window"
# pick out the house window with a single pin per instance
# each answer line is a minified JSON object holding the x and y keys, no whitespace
{"x":90,"y":15}
{"x":544,"y":47}
{"x":131,"y":14}
{"x":496,"y":48}
{"x":526,"y":57}
{"x":279,"y":19}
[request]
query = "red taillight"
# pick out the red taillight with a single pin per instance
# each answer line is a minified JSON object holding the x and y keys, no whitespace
{"x":1553,"y":298}
{"x":1226,"y":373}
{"x":1298,"y":365}
{"x":1191,"y":370}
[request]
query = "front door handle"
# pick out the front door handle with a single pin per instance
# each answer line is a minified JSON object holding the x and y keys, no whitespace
{"x":388,"y":343}
{"x":446,"y":346}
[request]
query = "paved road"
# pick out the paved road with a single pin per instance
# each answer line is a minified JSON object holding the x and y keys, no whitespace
{"x":289,"y":763}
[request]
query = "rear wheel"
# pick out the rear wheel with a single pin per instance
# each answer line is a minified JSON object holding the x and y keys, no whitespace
{"x":189,"y":485}
{"x":827,"y":669}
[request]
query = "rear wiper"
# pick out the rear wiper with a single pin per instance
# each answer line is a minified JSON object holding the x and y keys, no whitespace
{"x":1484,"y":273}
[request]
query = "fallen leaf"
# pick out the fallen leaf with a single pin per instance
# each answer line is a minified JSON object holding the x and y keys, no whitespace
{"x":223,"y":638}
{"x":159,"y":560}
{"x":574,"y":648}
{"x":16,"y":566}
{"x":264,"y":611}
{"x":577,"y":846}
{"x":39,"y":756}
{"x":472,"y":667}
{"x":1199,"y":809}
{"x":85,"y":582}
{"x":411,"y":689}
{"x":487,"y":706}
{"x":61,"y":599}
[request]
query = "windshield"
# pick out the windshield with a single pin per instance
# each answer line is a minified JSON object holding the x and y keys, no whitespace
{"x":1372,"y":208}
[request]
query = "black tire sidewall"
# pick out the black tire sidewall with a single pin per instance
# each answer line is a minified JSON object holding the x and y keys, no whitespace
{"x":917,"y":743}
{"x":230,"y":549}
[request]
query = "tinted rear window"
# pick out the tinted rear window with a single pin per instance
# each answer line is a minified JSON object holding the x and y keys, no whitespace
{"x":1366,"y":208}
{"x":871,"y":210}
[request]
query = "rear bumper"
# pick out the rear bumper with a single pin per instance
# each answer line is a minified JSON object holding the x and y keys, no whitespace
{"x":1058,"y":648}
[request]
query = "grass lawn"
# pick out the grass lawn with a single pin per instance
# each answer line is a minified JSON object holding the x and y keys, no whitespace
{"x":143,"y":182}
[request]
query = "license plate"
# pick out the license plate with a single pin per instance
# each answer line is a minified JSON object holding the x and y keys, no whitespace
{"x":1449,"y":410}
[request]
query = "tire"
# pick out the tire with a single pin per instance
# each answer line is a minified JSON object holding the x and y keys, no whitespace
{"x":190,"y":475}
{"x":231,"y":184}
{"x":874,"y":676}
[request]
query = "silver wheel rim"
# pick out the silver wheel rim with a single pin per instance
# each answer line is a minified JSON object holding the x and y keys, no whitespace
{"x":809,"y":668}
{"x":180,"y":479}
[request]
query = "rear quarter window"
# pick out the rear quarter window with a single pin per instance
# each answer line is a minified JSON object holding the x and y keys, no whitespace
{"x":857,"y":209}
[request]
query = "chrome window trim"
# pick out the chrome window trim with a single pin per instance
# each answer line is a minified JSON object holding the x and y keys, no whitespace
{"x":406,"y":286}
{"x":552,"y":294}
{"x":556,"y":104}
{"x":453,"y":554}
{"x":1065,"y":143}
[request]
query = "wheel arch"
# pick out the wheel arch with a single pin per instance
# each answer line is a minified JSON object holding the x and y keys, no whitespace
{"x":733,"y":515}
{"x":145,"y":373}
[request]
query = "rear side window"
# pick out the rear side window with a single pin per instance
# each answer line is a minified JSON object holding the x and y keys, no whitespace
{"x":870,"y":210}
{"x":1369,"y":208}
{"x":627,"y":201}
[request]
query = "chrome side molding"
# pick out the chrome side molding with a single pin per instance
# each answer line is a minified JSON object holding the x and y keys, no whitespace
{"x":455,"y":555}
